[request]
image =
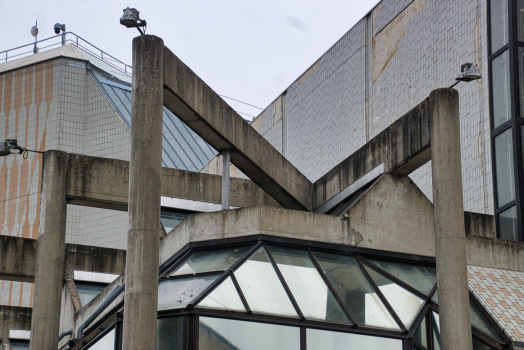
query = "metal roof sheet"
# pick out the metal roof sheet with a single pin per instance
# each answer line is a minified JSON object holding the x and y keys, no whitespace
{"x":182,"y":148}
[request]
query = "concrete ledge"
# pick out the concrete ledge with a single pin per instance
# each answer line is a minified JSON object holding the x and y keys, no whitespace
{"x":495,"y":253}
{"x":104,"y":183}
{"x":206,"y":113}
{"x":14,"y":317}
{"x":403,"y":147}
{"x":18,"y":259}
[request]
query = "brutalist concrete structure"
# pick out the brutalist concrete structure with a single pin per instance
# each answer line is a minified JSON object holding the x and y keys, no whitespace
{"x":343,"y":235}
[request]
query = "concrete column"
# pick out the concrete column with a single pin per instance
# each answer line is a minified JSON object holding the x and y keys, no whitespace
{"x":226,"y":163}
{"x":455,"y":325}
{"x":49,"y":274}
{"x":141,"y":295}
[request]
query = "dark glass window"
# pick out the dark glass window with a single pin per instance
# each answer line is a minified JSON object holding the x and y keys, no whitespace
{"x":171,"y":218}
{"x":19,"y":344}
{"x":499,"y":24}
{"x":501,"y":89}
{"x":508,"y":224}
{"x":170,"y":333}
{"x":223,"y":334}
{"x":325,"y":340}
{"x":505,"y":170}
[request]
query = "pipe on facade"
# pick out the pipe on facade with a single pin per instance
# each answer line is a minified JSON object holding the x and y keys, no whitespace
{"x":105,"y":303}
{"x":63,"y":334}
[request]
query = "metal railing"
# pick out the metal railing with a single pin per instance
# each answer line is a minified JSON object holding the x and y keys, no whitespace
{"x":56,"y":41}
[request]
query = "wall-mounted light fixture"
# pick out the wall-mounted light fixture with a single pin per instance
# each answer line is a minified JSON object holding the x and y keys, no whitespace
{"x":468,"y":72}
{"x":131,"y":19}
{"x":10,"y":146}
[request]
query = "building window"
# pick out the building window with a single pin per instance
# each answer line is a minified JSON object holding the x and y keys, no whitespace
{"x":506,"y":65}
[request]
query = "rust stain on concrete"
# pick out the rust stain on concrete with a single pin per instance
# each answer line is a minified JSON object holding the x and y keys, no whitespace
{"x":385,"y":43}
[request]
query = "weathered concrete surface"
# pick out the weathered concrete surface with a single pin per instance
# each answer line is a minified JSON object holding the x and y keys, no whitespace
{"x":495,"y":253}
{"x":393,"y":215}
{"x":14,"y":317}
{"x":450,"y":238}
{"x":141,"y":294}
{"x":50,"y":252}
{"x":18,"y":259}
{"x":479,"y":225}
{"x":403,"y":147}
{"x":195,"y":103}
{"x":104,"y":183}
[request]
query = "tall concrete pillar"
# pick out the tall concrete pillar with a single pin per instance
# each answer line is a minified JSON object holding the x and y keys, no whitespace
{"x":141,"y":275}
{"x":226,"y":181}
{"x":453,"y":296}
{"x":49,"y":274}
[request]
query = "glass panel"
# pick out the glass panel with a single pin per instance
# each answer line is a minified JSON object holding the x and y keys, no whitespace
{"x":504,"y":168}
{"x":481,"y":322}
{"x":421,"y":278}
{"x":222,"y":334}
{"x":325,"y":340}
{"x":521,"y":70}
{"x":19,"y":344}
{"x":520,"y":19}
{"x":478,"y":345}
{"x":171,"y":219}
{"x":508,"y":224}
{"x":262,"y":288}
{"x":499,"y":24}
{"x":88,"y":291}
{"x":224,"y":297}
{"x":434,"y":298}
{"x":501,"y":91}
{"x":107,"y":342}
{"x":405,"y":304}
{"x":355,"y":291}
{"x":176,"y":294}
{"x":311,"y":293}
{"x":421,"y":335}
{"x":210,"y":260}
{"x":170,"y":333}
{"x":436,"y":331}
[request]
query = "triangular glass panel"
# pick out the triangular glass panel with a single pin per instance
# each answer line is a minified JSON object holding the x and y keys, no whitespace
{"x":262,"y":288}
{"x":436,"y":331}
{"x":178,"y":293}
{"x":478,"y":345}
{"x":223,"y":297}
{"x":482,"y":323}
{"x":209,"y":260}
{"x":421,"y":278}
{"x":421,"y":335}
{"x":355,"y":291}
{"x":313,"y":296}
{"x":405,"y":304}
{"x":434,"y":298}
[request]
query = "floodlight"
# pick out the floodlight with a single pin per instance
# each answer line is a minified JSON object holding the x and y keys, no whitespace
{"x":8,"y":146}
{"x":468,"y":72}
{"x":131,"y":19}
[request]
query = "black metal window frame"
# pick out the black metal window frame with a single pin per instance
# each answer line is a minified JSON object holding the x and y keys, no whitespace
{"x":515,"y":123}
{"x":362,"y":255}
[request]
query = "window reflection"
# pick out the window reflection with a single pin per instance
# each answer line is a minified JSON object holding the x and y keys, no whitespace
{"x":325,"y":340}
{"x":223,"y":334}
{"x":501,"y":89}
{"x":499,"y":24}
{"x":508,"y":224}
{"x":504,"y":168}
{"x":107,"y":342}
{"x":170,"y":333}
{"x":88,"y":291}
{"x":175,"y":294}
{"x":210,"y":260}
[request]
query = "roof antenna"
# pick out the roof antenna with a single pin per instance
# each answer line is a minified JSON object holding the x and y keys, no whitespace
{"x":34,"y":32}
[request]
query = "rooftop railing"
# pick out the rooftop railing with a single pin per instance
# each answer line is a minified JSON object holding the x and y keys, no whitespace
{"x":57,"y":41}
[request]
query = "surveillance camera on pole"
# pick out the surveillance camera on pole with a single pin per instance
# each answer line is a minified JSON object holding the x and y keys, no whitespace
{"x":131,"y":19}
{"x":61,"y":27}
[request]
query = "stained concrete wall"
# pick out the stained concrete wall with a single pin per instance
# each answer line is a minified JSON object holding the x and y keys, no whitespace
{"x":379,"y":70}
{"x":14,"y":317}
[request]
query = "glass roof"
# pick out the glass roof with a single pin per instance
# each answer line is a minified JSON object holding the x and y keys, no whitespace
{"x":298,"y":283}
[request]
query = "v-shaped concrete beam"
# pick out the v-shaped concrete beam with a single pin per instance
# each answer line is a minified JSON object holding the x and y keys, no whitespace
{"x":206,"y":113}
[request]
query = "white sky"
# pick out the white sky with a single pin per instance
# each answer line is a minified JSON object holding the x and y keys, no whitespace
{"x":248,"y":50}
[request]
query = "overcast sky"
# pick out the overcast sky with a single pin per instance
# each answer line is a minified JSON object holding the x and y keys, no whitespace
{"x":248,"y":50}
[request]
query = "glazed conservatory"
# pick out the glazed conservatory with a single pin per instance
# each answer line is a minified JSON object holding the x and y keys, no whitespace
{"x":281,"y":293}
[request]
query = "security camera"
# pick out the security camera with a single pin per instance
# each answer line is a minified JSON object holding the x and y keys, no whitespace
{"x":58,"y":27}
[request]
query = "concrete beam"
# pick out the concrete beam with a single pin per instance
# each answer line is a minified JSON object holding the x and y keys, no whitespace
{"x":402,"y":147}
{"x":14,"y":317}
{"x":104,"y":183}
{"x":18,"y":259}
{"x":196,"y":104}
